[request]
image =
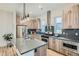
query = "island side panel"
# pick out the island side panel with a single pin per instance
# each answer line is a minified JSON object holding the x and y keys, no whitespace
{"x":41,"y":51}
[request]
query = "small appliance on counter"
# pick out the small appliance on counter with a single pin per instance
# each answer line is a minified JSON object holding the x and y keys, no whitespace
{"x":49,"y":30}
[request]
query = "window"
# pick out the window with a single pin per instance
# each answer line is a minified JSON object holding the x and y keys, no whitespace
{"x":58,"y":25}
{"x":43,"y":24}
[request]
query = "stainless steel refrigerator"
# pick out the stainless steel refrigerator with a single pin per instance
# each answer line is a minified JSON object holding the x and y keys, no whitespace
{"x":21,"y":31}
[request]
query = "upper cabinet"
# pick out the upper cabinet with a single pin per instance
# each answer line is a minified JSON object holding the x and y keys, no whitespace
{"x":18,"y":19}
{"x":71,"y":18}
{"x":31,"y":23}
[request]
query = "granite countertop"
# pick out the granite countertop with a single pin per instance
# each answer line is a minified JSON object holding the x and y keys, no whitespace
{"x":66,"y":39}
{"x":40,"y":34}
{"x":25,"y":46}
{"x":63,"y":38}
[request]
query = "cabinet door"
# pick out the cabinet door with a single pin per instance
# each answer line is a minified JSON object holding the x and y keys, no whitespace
{"x":66,"y":18}
{"x":61,"y":46}
{"x":42,"y":51}
{"x":75,"y":17}
{"x":53,"y":43}
{"x":50,"y":43}
{"x":57,"y":45}
{"x":71,"y":17}
{"x":65,"y":21}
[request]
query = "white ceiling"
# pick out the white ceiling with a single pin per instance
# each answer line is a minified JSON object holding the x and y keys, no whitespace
{"x":33,"y":8}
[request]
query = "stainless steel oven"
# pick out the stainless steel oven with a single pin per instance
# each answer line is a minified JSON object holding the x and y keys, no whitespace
{"x":71,"y":45}
{"x":45,"y":38}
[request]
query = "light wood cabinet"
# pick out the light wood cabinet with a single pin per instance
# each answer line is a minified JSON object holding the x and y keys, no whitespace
{"x":61,"y":46}
{"x":42,"y":51}
{"x":51,"y":43}
{"x":57,"y":45}
{"x":31,"y":23}
{"x":18,"y":19}
{"x":71,"y":17}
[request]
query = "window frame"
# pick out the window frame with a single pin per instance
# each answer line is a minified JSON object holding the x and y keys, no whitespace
{"x":55,"y":24}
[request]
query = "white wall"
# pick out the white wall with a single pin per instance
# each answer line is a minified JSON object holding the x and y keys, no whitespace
{"x":7,"y":25}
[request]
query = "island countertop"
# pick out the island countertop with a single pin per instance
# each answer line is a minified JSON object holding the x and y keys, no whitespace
{"x":24,"y":45}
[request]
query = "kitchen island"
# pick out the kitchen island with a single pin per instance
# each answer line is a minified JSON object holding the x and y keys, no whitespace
{"x":30,"y":47}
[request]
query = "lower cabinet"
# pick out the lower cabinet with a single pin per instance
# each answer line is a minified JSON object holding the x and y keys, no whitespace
{"x":41,"y":51}
{"x":60,"y":46}
{"x":51,"y":43}
{"x":57,"y":45}
{"x":54,"y":44}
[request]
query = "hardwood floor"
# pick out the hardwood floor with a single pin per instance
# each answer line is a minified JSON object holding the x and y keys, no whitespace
{"x":53,"y":53}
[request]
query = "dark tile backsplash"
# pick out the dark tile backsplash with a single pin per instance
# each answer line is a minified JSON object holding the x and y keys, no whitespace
{"x":72,"y":34}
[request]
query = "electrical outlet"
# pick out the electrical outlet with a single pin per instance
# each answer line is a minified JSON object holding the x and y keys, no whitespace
{"x":76,"y":34}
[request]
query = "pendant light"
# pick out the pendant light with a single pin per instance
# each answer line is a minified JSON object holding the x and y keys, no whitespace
{"x":24,"y":17}
{"x":24,"y":14}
